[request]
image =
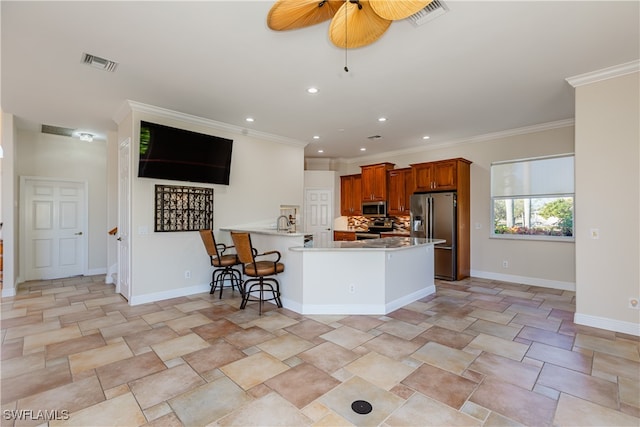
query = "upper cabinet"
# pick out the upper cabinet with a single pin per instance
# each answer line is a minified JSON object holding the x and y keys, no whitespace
{"x":374,"y":182}
{"x":351,"y":195}
{"x":438,"y":176}
{"x":400,"y":191}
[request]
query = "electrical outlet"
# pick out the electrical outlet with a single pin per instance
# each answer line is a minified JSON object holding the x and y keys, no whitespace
{"x":187,"y":274}
{"x":505,"y":264}
{"x":352,"y":288}
{"x":634,"y":303}
{"x":595,"y":233}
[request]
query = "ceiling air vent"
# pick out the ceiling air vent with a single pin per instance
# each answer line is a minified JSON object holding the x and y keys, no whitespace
{"x":431,"y":11}
{"x":56,"y":130}
{"x":99,"y":63}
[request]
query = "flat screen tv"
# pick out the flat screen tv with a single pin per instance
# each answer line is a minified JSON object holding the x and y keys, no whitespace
{"x":182,"y":155}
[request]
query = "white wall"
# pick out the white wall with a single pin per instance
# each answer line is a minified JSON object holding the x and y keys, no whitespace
{"x":55,"y":156}
{"x":608,"y":199}
{"x":9,"y":207}
{"x":544,"y":263}
{"x":264,"y":175}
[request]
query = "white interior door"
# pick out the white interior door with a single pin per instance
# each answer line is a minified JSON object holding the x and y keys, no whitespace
{"x":123,"y":282}
{"x":318,"y":219}
{"x":54,"y":228}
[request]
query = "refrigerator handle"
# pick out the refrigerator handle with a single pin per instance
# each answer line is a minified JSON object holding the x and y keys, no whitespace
{"x":430,"y":230}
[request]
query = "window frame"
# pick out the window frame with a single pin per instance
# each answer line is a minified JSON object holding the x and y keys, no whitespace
{"x":530,"y":196}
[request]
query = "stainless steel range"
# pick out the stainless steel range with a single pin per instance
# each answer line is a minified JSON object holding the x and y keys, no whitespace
{"x":376,"y":226}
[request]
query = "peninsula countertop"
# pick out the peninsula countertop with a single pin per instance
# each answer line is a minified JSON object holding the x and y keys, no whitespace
{"x":385,"y":244}
{"x":263,"y":230}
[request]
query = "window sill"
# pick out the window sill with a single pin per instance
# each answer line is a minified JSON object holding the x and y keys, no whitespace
{"x":536,"y":237}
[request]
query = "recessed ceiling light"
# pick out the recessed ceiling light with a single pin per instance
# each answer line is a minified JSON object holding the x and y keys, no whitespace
{"x":316,"y":136}
{"x":382,"y":119}
{"x":426,"y":137}
{"x":313,"y":90}
{"x":363,"y":149}
{"x":250,"y":119}
{"x":320,"y":151}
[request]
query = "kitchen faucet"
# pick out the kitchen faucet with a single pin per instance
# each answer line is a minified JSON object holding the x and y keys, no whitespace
{"x":278,"y":221}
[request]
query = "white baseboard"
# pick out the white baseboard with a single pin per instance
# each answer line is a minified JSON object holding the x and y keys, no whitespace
{"x":172,"y":293}
{"x":95,"y":271}
{"x":608,"y":324}
{"x":8,"y":292}
{"x":362,"y":309}
{"x":525,"y":280}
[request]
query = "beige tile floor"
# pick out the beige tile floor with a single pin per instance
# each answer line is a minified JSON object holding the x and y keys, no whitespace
{"x":477,"y":352}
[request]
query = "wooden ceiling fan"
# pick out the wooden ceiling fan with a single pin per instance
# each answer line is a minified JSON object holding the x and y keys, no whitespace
{"x":354,"y":23}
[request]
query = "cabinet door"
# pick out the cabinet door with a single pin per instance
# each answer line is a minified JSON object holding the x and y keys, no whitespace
{"x":400,"y":190}
{"x":344,"y":235}
{"x":350,"y":195}
{"x":408,"y":191}
{"x":423,"y":176}
{"x":356,"y":195}
{"x":345,"y":195}
{"x":444,"y":175}
{"x":396,"y":192}
{"x":374,"y":182}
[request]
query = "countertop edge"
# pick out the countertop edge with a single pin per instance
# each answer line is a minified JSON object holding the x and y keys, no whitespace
{"x":267,"y":231}
{"x":424,"y":242}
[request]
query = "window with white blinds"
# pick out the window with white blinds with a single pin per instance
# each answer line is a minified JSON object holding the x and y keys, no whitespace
{"x":533,"y":198}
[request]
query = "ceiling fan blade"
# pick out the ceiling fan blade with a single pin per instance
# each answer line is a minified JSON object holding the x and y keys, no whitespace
{"x":398,"y":9}
{"x":353,"y":27}
{"x":294,"y":14}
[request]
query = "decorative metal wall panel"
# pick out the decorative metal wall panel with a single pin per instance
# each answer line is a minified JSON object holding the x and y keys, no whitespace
{"x":183,"y":208}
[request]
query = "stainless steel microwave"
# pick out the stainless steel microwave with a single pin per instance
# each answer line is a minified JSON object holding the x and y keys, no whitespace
{"x":374,"y":209}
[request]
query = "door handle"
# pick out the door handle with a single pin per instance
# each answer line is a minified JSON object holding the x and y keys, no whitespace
{"x":79,"y":233}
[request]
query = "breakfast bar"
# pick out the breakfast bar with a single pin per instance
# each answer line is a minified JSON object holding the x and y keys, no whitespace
{"x":373,"y":276}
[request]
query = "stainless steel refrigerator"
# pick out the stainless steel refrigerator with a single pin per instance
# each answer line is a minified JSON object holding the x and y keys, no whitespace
{"x":433,"y":215}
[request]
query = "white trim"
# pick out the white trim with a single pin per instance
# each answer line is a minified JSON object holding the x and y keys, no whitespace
{"x":361,"y":309}
{"x":460,"y":141}
{"x":524,"y":280}
{"x":8,"y":292}
{"x":604,"y":74}
{"x":608,"y":324}
{"x":96,"y":271}
{"x":173,"y":293}
{"x":129,"y":106}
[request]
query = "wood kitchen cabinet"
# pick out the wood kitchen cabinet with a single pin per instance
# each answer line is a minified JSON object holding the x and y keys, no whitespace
{"x":351,"y":195}
{"x":374,"y":182}
{"x":400,"y":191}
{"x":344,"y":235}
{"x":442,"y":175}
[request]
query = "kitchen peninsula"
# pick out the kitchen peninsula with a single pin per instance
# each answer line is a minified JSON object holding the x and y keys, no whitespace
{"x":374,"y":276}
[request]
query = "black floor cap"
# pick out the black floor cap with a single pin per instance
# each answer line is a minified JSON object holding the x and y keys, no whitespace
{"x":361,"y":407}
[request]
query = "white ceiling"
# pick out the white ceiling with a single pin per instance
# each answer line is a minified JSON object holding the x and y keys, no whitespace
{"x":483,"y":67}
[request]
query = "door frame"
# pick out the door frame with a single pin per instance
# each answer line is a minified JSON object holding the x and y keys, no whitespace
{"x":22,"y":215}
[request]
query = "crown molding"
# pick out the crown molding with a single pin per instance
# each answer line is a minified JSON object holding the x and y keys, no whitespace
{"x":473,"y":139}
{"x":604,"y":74}
{"x":133,"y":106}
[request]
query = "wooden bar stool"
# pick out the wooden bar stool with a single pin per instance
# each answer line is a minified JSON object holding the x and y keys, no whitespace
{"x":259,"y":284}
{"x":224,"y":263}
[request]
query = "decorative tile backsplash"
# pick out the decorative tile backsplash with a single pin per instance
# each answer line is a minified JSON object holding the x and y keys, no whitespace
{"x":361,"y":223}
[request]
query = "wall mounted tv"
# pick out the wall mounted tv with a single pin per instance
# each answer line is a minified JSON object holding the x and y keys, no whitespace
{"x":182,"y":155}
